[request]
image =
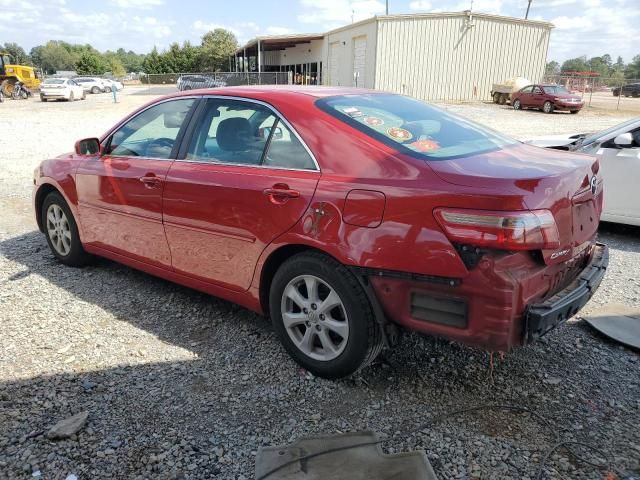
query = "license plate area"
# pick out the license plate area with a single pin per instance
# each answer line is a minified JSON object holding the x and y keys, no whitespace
{"x":585,"y":221}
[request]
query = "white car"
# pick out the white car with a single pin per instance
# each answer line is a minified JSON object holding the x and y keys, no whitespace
{"x":90,"y":84}
{"x":618,"y":149}
{"x":61,"y":89}
{"x":110,"y":85}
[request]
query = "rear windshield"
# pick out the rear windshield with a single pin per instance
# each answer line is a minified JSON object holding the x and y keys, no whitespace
{"x":54,"y":81}
{"x":555,"y":89}
{"x":412,"y":126}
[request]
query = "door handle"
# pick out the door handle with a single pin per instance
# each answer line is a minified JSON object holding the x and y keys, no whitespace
{"x":280,"y":193}
{"x":150,"y":181}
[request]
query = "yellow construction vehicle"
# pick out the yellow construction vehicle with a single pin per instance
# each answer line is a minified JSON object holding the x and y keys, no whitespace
{"x":10,"y":74}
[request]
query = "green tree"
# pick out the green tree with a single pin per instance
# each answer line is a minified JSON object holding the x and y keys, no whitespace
{"x":578,"y":64}
{"x":90,"y":63}
{"x":55,"y":56}
{"x":217,"y":46}
{"x":116,"y":67}
{"x":552,"y":68}
{"x":36,"y":55}
{"x":633,"y":69}
{"x":153,"y":63}
{"x":18,"y":55}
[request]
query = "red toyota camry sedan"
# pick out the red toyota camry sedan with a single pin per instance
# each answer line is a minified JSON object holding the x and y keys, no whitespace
{"x":346,"y":215}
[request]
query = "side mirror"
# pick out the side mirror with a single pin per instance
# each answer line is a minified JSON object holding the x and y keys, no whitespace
{"x":624,"y":140}
{"x":88,"y":146}
{"x":266,"y":131}
{"x":174,"y":119}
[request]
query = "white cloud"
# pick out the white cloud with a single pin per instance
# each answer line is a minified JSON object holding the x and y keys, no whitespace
{"x":595,"y":31}
{"x":334,"y":13}
{"x":421,"y":5}
{"x":142,"y":4}
{"x":279,"y":30}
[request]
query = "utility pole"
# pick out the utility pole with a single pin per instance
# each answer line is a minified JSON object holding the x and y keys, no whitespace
{"x":526,"y":15}
{"x":387,"y":4}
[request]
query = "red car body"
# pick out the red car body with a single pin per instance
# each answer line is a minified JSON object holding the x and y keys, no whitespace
{"x":554,"y":96}
{"x":221,"y":228}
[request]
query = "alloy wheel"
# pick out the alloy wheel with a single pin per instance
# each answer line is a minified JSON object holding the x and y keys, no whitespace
{"x":315,"y":318}
{"x":58,"y":229}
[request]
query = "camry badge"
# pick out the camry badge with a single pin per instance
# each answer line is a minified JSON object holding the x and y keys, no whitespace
{"x":594,"y":184}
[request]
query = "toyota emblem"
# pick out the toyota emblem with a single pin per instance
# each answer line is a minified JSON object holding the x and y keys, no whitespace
{"x":594,"y":184}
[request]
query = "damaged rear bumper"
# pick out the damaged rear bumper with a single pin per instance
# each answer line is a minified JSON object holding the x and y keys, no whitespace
{"x":541,"y":318}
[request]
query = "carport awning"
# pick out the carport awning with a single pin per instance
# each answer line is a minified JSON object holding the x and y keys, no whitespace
{"x":278,"y":42}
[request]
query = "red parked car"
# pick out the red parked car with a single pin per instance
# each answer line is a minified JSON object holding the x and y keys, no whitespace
{"x":344,"y":214}
{"x":546,"y":98}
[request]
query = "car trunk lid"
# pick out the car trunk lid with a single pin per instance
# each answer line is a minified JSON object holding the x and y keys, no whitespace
{"x":566,"y":184}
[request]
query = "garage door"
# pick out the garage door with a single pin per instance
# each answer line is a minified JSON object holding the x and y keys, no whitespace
{"x":359,"y":54}
{"x":334,"y":63}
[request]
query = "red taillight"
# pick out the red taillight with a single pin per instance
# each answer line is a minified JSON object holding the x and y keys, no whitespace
{"x":527,"y":230}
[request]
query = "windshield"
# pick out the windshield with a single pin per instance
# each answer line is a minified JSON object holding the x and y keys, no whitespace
{"x":557,"y":89}
{"x":594,"y":137}
{"x":6,"y":59}
{"x":54,"y":81}
{"x":413,"y":127}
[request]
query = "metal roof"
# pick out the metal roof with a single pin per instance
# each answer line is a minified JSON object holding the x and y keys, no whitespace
{"x":280,"y":42}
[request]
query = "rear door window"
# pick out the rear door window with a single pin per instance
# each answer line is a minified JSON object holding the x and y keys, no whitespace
{"x":246,"y":133}
{"x":413,"y":127}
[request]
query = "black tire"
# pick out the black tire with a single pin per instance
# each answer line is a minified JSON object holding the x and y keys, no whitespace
{"x":574,"y":111}
{"x":107,"y":89}
{"x":496,"y":97}
{"x":503,"y":98}
{"x":95,"y":90}
{"x":364,"y":341}
{"x":72,"y":97}
{"x":517,"y":105}
{"x":77,"y":257}
{"x":547,"y":107}
{"x":43,"y":98}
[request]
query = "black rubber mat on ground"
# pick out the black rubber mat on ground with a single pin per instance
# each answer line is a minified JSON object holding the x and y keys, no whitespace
{"x":618,"y":322}
{"x":366,"y":462}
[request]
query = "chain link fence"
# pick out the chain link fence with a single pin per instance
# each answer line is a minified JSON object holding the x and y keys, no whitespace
{"x":607,"y":93}
{"x":192,"y":81}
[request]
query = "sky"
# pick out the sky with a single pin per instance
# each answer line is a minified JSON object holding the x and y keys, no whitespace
{"x":583,"y":27}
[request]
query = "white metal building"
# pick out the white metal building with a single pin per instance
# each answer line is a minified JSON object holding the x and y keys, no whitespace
{"x":434,"y":56}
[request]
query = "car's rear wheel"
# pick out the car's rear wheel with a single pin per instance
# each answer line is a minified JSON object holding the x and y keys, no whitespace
{"x":547,"y":107}
{"x":503,"y":99}
{"x":496,"y":97}
{"x":95,"y":90}
{"x":107,"y":89}
{"x":61,"y":231}
{"x":517,"y":105}
{"x":323,"y":317}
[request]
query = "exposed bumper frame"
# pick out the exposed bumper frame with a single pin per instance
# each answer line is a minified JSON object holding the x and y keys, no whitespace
{"x":541,"y":318}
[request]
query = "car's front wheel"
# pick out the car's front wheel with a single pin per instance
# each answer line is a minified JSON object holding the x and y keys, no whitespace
{"x":323,"y":317}
{"x":61,"y":231}
{"x":95,"y":90}
{"x":517,"y":105}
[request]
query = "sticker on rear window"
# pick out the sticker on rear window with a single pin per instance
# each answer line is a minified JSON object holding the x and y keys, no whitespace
{"x":424,"y":145}
{"x":352,"y":112}
{"x":373,"y":121}
{"x":400,"y":134}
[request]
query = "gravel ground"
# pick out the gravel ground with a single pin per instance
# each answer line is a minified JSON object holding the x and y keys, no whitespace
{"x":178,"y":384}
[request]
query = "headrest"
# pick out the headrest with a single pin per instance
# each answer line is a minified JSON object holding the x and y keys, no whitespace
{"x":234,"y":134}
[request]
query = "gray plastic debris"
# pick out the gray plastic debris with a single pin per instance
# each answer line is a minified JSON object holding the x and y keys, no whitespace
{"x":618,"y":322}
{"x":366,"y":462}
